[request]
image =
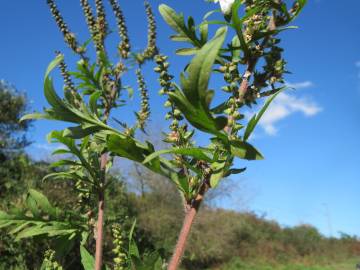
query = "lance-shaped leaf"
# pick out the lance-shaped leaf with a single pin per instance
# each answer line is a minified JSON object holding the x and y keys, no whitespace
{"x":195,"y":98}
{"x":61,"y":110}
{"x":41,"y":218}
{"x":198,"y":153}
{"x":43,"y":203}
{"x":87,"y":260}
{"x":176,"y":22}
{"x":256,"y":118}
{"x":245,"y":150}
{"x":127,"y":147}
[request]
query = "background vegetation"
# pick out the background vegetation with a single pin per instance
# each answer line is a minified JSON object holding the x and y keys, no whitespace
{"x":220,"y":239}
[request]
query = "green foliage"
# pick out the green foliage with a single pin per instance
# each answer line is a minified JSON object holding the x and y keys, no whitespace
{"x":12,"y":107}
{"x":194,"y":100}
{"x":87,"y":259}
{"x":252,"y":66}
{"x":40,"y":218}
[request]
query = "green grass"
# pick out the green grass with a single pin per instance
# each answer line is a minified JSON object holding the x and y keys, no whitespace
{"x":238,"y":265}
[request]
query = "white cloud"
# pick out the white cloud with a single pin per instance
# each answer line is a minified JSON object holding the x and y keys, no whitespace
{"x":283,"y":106}
{"x":46,"y":147}
{"x":300,"y":85}
{"x":357,"y":64}
{"x":286,"y":104}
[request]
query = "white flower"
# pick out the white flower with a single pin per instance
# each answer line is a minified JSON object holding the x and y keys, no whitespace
{"x":225,"y":5}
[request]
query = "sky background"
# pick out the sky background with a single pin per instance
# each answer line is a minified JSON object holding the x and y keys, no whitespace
{"x":309,"y":137}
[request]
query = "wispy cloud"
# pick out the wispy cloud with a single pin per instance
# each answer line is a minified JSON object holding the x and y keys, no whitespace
{"x":287,"y":104}
{"x":46,"y":147}
{"x":300,"y":85}
{"x":357,"y":64}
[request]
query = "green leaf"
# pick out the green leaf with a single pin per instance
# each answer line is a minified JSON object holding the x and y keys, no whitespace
{"x":34,"y":116}
{"x":133,"y":249}
{"x":63,"y":176}
{"x":193,"y":100}
{"x":204,"y":33}
{"x":93,"y":102}
{"x":53,"y":64}
{"x":234,"y":171}
{"x":199,"y":70}
{"x":87,"y":259}
{"x":245,"y":150}
{"x":187,"y":51}
{"x":42,"y":202}
{"x":131,"y":149}
{"x":215,"y":178}
{"x":301,"y":4}
{"x":80,"y":132}
{"x":176,"y":22}
{"x":198,"y":153}
{"x":61,"y":152}
{"x":237,"y":24}
{"x":256,"y":118}
{"x":210,"y":13}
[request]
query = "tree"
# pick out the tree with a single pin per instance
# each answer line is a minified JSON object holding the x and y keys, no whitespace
{"x":13,"y":105}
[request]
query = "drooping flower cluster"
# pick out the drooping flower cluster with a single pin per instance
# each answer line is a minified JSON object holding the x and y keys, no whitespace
{"x":144,"y":112}
{"x":124,"y":46}
{"x":97,"y":26}
{"x":69,"y":37}
{"x":69,"y":88}
{"x":151,"y":50}
{"x":101,"y":22}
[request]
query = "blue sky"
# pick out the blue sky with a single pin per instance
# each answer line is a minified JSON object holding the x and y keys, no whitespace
{"x":310,"y":137}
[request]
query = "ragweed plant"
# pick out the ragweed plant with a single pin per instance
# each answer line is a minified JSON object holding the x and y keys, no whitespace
{"x":245,"y":51}
{"x":90,"y":95}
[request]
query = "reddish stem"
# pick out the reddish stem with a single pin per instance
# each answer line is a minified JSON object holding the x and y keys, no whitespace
{"x":191,"y":210}
{"x":99,"y":237}
{"x":100,"y":221}
{"x":183,"y":236}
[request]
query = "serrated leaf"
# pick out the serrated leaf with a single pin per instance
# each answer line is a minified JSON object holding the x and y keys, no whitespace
{"x":193,"y":99}
{"x":177,"y":23}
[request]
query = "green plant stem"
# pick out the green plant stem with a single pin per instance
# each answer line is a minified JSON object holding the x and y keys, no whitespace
{"x":101,"y":195}
{"x":191,"y":210}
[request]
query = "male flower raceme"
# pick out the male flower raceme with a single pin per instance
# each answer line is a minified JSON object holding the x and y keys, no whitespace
{"x":225,"y":5}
